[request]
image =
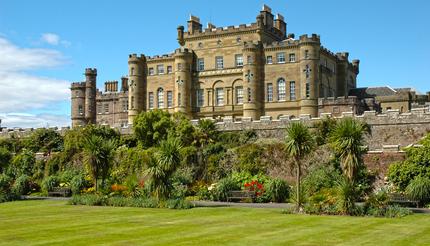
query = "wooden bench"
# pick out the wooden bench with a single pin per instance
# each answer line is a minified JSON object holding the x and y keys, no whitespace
{"x":240,"y":195}
{"x":401,"y":198}
{"x":60,"y":191}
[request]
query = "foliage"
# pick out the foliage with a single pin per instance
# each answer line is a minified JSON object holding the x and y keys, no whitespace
{"x":419,"y":189}
{"x":245,"y":177}
{"x":324,"y":128}
{"x":237,"y":138}
{"x":298,"y":144}
{"x":390,"y":211}
{"x":205,"y":133}
{"x":78,"y":183}
{"x":5,"y":158}
{"x":21,"y":186}
{"x":22,"y":164}
{"x":162,"y":165}
{"x":223,"y":187}
{"x":182,"y":129}
{"x":278,"y":190}
{"x":50,"y":182}
{"x":151,"y":127}
{"x":249,"y":159}
{"x":44,"y":140}
{"x":346,"y":196}
{"x":347,"y":140}
{"x":129,"y":162}
{"x":320,"y":177}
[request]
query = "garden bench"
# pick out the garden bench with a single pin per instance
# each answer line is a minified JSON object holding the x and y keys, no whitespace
{"x":60,"y":191}
{"x":401,"y":198}
{"x":240,"y":194}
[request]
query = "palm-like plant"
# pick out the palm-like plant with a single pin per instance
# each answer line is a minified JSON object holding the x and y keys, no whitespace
{"x":299,"y":143}
{"x":99,"y":156}
{"x":347,"y":140}
{"x":162,"y":165}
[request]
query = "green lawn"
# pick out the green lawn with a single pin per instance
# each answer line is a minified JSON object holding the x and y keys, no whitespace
{"x":54,"y":222}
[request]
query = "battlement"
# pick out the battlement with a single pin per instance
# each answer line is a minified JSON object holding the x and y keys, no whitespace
{"x":212,"y":30}
{"x":77,"y":85}
{"x":282,"y":44}
{"x":314,"y":38}
{"x":90,"y":71}
{"x":160,"y":57}
{"x":252,"y":45}
{"x":136,"y":58}
{"x":343,"y":56}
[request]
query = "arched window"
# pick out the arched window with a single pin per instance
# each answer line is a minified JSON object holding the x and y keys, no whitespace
{"x":281,"y":90}
{"x":160,"y":98}
{"x":132,"y":71}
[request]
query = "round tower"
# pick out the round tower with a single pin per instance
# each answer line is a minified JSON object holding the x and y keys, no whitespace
{"x":309,"y":57}
{"x":90,"y":95}
{"x":183,"y":64}
{"x":78,"y":104}
{"x":251,"y":81}
{"x":137,"y":86}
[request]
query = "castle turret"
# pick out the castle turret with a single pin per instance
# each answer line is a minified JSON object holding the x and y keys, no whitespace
{"x":137,"y":86}
{"x":194,"y":25}
{"x":90,"y":95}
{"x":78,"y":104}
{"x":309,"y":57}
{"x":251,"y":80}
{"x":183,"y":65}
{"x":124,"y":83}
{"x":281,"y":25}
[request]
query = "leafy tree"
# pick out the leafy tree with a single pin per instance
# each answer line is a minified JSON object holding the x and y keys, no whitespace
{"x":5,"y":158}
{"x":347,"y":140}
{"x":299,"y":143}
{"x":22,"y":164}
{"x":99,"y":156}
{"x":152,"y":127}
{"x":162,"y":166}
{"x":44,"y":140}
{"x":323,"y":129}
{"x":13,"y":143}
{"x":182,"y":129}
{"x":206,"y":133}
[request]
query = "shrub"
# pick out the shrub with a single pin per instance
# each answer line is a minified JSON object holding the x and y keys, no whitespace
{"x":21,"y":185}
{"x":178,"y":204}
{"x":346,"y":194}
{"x":278,"y":190}
{"x":6,"y":193}
{"x":49,"y":183}
{"x":419,"y":189}
{"x":320,"y":177}
{"x":223,"y":187}
{"x":78,"y":183}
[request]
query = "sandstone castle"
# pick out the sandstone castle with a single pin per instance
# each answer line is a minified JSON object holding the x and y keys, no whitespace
{"x":242,"y":72}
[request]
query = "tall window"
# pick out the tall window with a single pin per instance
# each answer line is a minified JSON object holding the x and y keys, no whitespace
{"x":280,"y":57}
{"x":169,"y":69}
{"x":200,"y":98}
{"x":106,"y":108}
{"x":270,"y":92}
{"x":281,"y":90}
{"x":306,"y":54}
{"x":249,"y":60}
{"x":292,"y":57}
{"x":132,"y":102}
{"x":292,"y":90}
{"x":151,"y":71}
{"x":169,"y":99}
{"x":249,"y":95}
{"x":132,"y":71}
{"x":125,"y":105}
{"x":179,"y":99}
{"x":179,"y":66}
{"x":80,"y":110}
{"x":151,"y":100}
{"x":269,"y":60}
{"x":160,"y":98}
{"x":308,"y":89}
{"x":219,"y":92}
{"x":219,"y":62}
{"x":239,"y":95}
{"x":160,"y":69}
{"x":239,"y":60}
{"x":200,"y":64}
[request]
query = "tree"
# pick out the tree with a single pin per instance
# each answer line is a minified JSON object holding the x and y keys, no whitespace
{"x":206,"y":133}
{"x":299,"y":143}
{"x":162,"y":165}
{"x":182,"y":129}
{"x":347,"y":140}
{"x":5,"y":158}
{"x":44,"y":140}
{"x":22,"y":164}
{"x":99,"y":156}
{"x":152,"y":127}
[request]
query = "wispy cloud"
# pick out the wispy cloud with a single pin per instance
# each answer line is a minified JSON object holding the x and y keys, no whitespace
{"x":21,"y":91}
{"x":34,"y":120}
{"x":54,"y":39}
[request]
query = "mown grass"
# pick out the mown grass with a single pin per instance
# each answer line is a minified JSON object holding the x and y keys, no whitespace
{"x":54,"y":222}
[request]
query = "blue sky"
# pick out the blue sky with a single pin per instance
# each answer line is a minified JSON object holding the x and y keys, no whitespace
{"x":44,"y":44}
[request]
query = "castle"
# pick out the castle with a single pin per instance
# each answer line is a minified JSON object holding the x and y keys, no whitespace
{"x":241,"y":72}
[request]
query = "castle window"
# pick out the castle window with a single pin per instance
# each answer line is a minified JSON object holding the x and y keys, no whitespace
{"x":308,"y":89}
{"x":169,"y":69}
{"x":249,"y":60}
{"x":151,"y":71}
{"x":150,"y":100}
{"x":219,"y":92}
{"x":179,"y":66}
{"x":306,"y":54}
{"x":132,"y":71}
{"x":239,"y":60}
{"x":280,"y":57}
{"x":106,"y":108}
{"x":292,"y":90}
{"x":169,"y":99}
{"x":160,"y":69}
{"x":160,"y":98}
{"x":132,"y":102}
{"x":179,"y":99}
{"x":124,"y":106}
{"x":99,"y":108}
{"x":270,"y":92}
{"x":249,"y":95}
{"x":269,"y":60}
{"x":80,"y":110}
{"x":292,"y":57}
{"x":200,"y":97}
{"x":219,"y":62}
{"x":281,"y":90}
{"x":200,"y":64}
{"x":239,"y":95}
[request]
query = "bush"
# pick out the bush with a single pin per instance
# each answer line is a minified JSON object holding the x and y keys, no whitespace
{"x":223,"y":187}
{"x":419,"y":189}
{"x":6,"y":193}
{"x":78,"y":183}
{"x":21,"y":185}
{"x":391,"y":211}
{"x":278,"y":190}
{"x":50,"y":182}
{"x":178,"y":204}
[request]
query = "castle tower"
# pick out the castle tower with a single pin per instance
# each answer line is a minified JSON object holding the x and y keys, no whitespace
{"x":183,"y":79}
{"x":90,"y":95}
{"x":78,"y":104}
{"x":137,"y":86}
{"x":252,"y":80}
{"x":309,"y":57}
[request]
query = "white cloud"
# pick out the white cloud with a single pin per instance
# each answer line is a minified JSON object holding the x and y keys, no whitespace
{"x":21,"y":91}
{"x":50,"y":38}
{"x":34,"y":121}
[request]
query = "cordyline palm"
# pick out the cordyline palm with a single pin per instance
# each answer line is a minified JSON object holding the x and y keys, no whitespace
{"x":299,"y":143}
{"x":347,"y":140}
{"x":162,"y":165}
{"x":99,"y":156}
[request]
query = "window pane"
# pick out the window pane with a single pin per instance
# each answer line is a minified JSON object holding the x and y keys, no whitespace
{"x":239,"y":95}
{"x":160,"y":69}
{"x":200,"y":98}
{"x":239,"y":60}
{"x":281,"y":57}
{"x":269,"y":60}
{"x":151,"y":100}
{"x":151,"y":71}
{"x":169,"y":69}
{"x":292,"y":90}
{"x":200,"y":64}
{"x":269,"y":92}
{"x":292,"y":57}
{"x":169,"y":99}
{"x":219,"y":96}
{"x":160,"y":98}
{"x":281,"y":90}
{"x":219,"y":62}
